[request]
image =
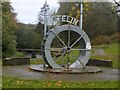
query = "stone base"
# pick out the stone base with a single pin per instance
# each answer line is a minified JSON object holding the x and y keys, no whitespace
{"x":16,"y":61}
{"x":84,"y":70}
{"x":103,"y":63}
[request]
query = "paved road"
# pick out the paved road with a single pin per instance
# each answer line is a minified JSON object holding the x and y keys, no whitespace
{"x":23,"y":72}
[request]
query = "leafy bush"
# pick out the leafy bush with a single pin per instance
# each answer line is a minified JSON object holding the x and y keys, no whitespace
{"x":114,"y":38}
{"x":8,"y":27}
{"x":103,"y":39}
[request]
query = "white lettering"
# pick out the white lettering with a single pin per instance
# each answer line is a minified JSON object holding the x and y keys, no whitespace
{"x":75,"y":21}
{"x":65,"y":18}
{"x":59,"y":17}
{"x":71,"y":19}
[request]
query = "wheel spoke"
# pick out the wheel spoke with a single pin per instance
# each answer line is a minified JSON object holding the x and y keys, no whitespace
{"x":68,"y":58}
{"x":68,"y":36}
{"x":54,"y":49}
{"x":68,"y":46}
{"x":73,"y":56}
{"x":77,"y":40}
{"x":57,"y":54}
{"x":62,"y":61}
{"x":79,"y":60}
{"x":60,"y":56}
{"x":74,"y":49}
{"x":59,"y":39}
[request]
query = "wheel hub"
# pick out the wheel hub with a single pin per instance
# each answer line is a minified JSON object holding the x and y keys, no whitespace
{"x":66,"y":49}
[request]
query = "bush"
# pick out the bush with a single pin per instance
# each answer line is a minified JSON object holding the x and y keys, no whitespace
{"x":114,"y":38}
{"x":101,"y":39}
{"x":106,"y":39}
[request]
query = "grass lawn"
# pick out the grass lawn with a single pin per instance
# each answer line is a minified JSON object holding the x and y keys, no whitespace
{"x":9,"y":82}
{"x":111,"y":51}
{"x":37,"y":61}
{"x":112,"y":54}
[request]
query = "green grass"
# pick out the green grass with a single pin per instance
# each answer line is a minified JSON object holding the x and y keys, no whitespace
{"x":112,"y":54}
{"x":72,"y":57}
{"x":17,"y":54}
{"x":0,"y":62}
{"x":111,"y":51}
{"x":9,"y":82}
{"x":37,"y":61}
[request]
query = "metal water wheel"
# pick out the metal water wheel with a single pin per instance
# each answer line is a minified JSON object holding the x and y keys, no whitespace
{"x":66,"y":46}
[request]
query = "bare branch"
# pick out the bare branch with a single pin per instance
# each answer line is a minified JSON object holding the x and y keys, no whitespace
{"x":116,"y":2}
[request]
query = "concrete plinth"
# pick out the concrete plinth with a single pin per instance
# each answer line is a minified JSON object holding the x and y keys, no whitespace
{"x":87,"y":69}
{"x":16,"y":61}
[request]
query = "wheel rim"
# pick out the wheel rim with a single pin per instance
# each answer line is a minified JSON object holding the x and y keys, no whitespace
{"x":66,"y":47}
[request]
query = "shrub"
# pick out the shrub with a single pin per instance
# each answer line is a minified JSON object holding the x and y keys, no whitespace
{"x":101,"y":39}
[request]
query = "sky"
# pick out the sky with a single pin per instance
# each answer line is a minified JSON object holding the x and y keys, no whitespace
{"x":28,"y":10}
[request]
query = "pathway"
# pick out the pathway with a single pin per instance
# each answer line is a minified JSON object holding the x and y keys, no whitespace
{"x":23,"y":72}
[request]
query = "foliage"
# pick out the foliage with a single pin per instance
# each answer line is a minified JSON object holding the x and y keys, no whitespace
{"x":40,"y":26}
{"x":49,"y":14}
{"x":39,"y":30}
{"x":27,"y":37}
{"x":98,"y":19}
{"x":9,"y":82}
{"x":114,"y":38}
{"x":101,"y":39}
{"x":0,"y":29}
{"x":8,"y":27}
{"x":104,"y":39}
{"x":37,"y":61}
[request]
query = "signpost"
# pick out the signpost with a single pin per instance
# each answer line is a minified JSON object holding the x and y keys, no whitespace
{"x":81,"y":15}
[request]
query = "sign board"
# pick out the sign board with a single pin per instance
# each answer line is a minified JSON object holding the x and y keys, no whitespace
{"x":65,"y":18}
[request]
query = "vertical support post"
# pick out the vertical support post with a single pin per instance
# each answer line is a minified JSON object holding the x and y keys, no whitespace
{"x":45,"y":18}
{"x":81,"y":15}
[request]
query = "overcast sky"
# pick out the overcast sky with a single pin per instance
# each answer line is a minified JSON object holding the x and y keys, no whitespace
{"x":27,"y":10}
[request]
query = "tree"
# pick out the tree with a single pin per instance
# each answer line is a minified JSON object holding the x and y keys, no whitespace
{"x":40,"y":26}
{"x":45,"y":11}
{"x":97,"y":19}
{"x":39,"y":30}
{"x":118,"y":4}
{"x":27,"y":37}
{"x":0,"y":30}
{"x":8,"y":26}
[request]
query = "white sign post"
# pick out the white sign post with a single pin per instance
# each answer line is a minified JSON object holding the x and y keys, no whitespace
{"x":81,"y":15}
{"x":45,"y":18}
